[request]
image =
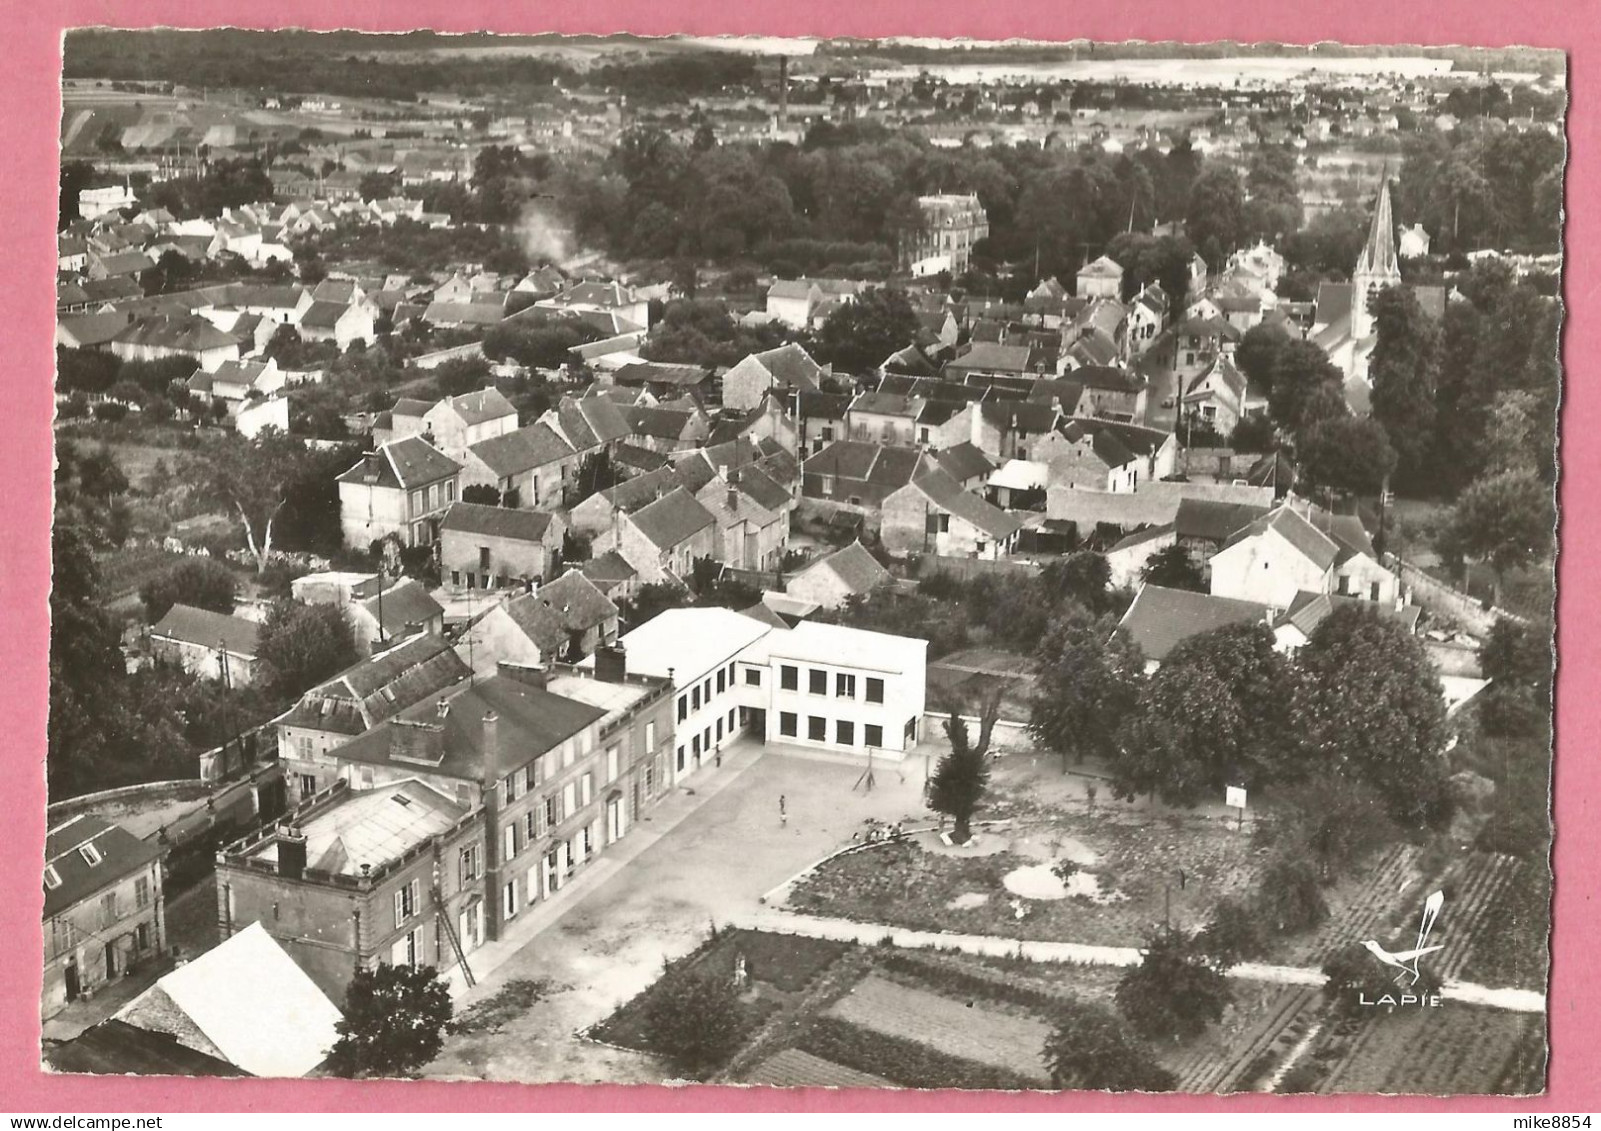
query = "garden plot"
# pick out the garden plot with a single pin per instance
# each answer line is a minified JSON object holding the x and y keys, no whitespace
{"x":1454,"y":1049}
{"x":974,"y":1030}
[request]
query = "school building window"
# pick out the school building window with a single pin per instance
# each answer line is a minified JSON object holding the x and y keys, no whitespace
{"x":786,"y":723}
{"x":873,"y":734}
{"x":845,"y":733}
{"x":875,"y":690}
{"x":817,"y":681}
{"x":845,"y":686}
{"x":753,"y":677}
{"x":789,"y":677}
{"x":816,"y":728}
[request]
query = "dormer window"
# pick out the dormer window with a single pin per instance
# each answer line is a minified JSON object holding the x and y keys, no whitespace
{"x":90,"y":854}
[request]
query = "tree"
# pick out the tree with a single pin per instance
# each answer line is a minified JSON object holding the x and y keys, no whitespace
{"x":1288,"y":896}
{"x":1213,"y":715}
{"x":1215,"y":218}
{"x":1305,"y":388}
{"x":1233,"y":934}
{"x":1336,"y":822}
{"x":480,"y":493}
{"x":1514,"y":653}
{"x":393,"y":1024}
{"x":1402,"y":373}
{"x":202,"y":583}
{"x":1347,"y":454}
{"x":1083,"y":577}
{"x":694,"y":1018}
{"x":251,"y":478}
{"x":1090,"y":674}
{"x":1090,"y":1049}
{"x":1254,"y":434}
{"x":1368,"y":705}
{"x":301,"y":645}
{"x":1172,"y":568}
{"x":961,"y":779}
{"x":859,"y":335}
{"x":1505,"y":520}
{"x":1176,"y":990}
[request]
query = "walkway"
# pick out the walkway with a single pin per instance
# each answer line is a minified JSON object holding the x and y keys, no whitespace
{"x":994,"y":946}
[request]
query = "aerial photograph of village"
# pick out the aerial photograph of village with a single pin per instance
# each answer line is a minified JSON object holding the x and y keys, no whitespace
{"x":804,"y":563}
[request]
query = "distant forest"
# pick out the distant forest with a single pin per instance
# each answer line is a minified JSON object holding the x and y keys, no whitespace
{"x":398,"y":67}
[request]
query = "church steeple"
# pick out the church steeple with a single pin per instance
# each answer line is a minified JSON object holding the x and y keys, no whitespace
{"x":1378,"y":266}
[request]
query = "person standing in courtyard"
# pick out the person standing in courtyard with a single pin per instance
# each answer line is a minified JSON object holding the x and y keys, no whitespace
{"x":783,"y":811}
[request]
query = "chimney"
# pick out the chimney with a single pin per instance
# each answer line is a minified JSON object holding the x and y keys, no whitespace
{"x":491,"y":797}
{"x":491,"y":753}
{"x":291,"y":852}
{"x":416,"y":742}
{"x":529,"y":675}
{"x":611,"y":663}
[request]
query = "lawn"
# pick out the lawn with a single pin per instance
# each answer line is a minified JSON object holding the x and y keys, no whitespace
{"x":1146,"y":869}
{"x":1456,"y":1049}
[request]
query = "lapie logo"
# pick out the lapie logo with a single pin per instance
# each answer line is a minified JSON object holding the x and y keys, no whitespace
{"x":1406,"y":961}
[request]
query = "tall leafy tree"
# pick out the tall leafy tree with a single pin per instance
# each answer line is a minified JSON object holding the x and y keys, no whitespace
{"x":859,"y":335}
{"x":202,"y":583}
{"x":1215,"y":217}
{"x":301,"y":645}
{"x":1090,"y":674}
{"x":1214,"y":714}
{"x":1177,"y":990}
{"x":1090,"y":1049}
{"x":1306,"y":387}
{"x":1368,"y":705}
{"x":1403,"y":376}
{"x":1172,"y":568}
{"x":1347,"y":454}
{"x":961,"y":779}
{"x":1505,"y":520}
{"x":251,"y":478}
{"x":393,"y":1024}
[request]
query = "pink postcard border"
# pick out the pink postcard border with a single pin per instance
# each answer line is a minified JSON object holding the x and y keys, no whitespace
{"x":28,"y":194}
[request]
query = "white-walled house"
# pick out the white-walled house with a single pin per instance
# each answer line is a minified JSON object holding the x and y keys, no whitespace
{"x":1287,"y":552}
{"x":400,"y":490}
{"x":817,"y":685}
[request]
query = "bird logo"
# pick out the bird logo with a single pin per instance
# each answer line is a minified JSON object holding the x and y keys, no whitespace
{"x":1406,"y":961}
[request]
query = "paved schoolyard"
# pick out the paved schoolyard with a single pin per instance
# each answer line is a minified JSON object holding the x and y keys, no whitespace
{"x":712,"y":866}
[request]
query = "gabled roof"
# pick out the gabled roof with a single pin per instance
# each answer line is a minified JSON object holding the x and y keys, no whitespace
{"x":1103,"y":268}
{"x":484,"y":405}
{"x":407,"y":462}
{"x":659,"y":423}
{"x":1161,"y":619}
{"x":638,"y":458}
{"x":185,"y":332}
{"x":532,"y":721}
{"x":513,"y":453}
{"x":1312,"y":543}
{"x":496,"y":522}
{"x":1227,"y":374}
{"x":856,"y":569}
{"x":1333,"y":303}
{"x":965,"y":461}
{"x":576,"y":602}
{"x":464,"y":313}
{"x":1023,"y":416}
{"x":115,"y":1048}
{"x":1213,"y":521}
{"x":672,"y":519}
{"x":248,"y":1002}
{"x":404,"y":604}
{"x":656,"y":373}
{"x":608,"y":571}
{"x":371,"y":691}
{"x":990,"y":355}
{"x":207,"y":629}
{"x":887,"y":467}
{"x":790,"y":365}
{"x":1308,"y":610}
{"x":118,"y":852}
{"x":949,"y":495}
{"x":818,"y":405}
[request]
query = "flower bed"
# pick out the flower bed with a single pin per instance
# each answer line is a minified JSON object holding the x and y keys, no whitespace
{"x":1138,"y":875}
